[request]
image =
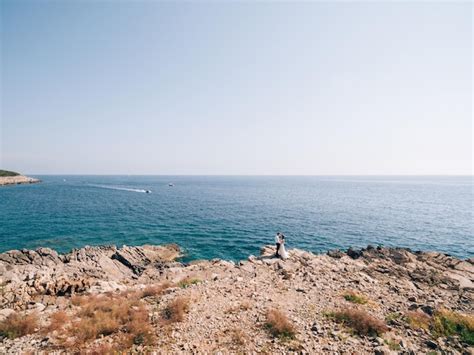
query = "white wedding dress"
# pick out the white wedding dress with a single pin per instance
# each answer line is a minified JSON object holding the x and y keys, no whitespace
{"x":283,"y":253}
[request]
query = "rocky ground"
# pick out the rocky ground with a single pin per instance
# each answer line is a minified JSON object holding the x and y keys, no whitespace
{"x":404,"y":302}
{"x":18,"y":179}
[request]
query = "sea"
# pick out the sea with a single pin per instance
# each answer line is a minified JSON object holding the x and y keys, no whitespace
{"x":232,"y":217}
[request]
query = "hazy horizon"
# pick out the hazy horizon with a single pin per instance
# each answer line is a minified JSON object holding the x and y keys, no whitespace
{"x":259,"y":175}
{"x":294,"y":89}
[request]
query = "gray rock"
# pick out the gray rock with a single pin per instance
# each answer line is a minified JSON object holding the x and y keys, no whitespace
{"x":382,"y":350}
{"x":428,"y":309}
{"x":335,"y":253}
{"x":354,"y":254}
{"x":431,"y":344}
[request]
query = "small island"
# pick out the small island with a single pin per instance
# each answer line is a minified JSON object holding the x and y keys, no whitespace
{"x":14,"y":178}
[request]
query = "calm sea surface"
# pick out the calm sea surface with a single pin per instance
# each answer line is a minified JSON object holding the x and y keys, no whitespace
{"x":232,"y":217}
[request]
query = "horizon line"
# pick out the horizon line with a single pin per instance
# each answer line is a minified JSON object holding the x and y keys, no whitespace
{"x":250,"y":175}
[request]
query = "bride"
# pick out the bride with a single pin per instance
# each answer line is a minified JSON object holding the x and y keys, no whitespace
{"x":283,"y":252}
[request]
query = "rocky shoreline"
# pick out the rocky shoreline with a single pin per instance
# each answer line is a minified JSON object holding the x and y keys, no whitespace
{"x":16,"y":180}
{"x":375,"y":300}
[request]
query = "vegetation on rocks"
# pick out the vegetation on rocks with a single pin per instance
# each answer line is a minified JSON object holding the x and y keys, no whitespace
{"x":392,"y":317}
{"x":17,"y":325}
{"x":239,"y":337}
{"x":354,"y":297}
{"x":107,"y":314}
{"x":188,"y":281}
{"x":108,"y":300}
{"x":444,"y":323}
{"x":13,"y":178}
{"x":392,"y":345}
{"x":448,"y":323}
{"x":57,"y":321}
{"x":175,"y":310}
{"x":279,"y":325}
{"x":359,"y":321}
{"x":155,"y":290}
{"x":418,"y":320}
{"x":4,"y":173}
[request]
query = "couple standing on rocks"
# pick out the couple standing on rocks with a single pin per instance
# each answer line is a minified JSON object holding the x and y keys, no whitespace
{"x":280,"y":246}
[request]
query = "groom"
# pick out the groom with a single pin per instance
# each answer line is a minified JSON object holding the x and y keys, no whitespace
{"x":278,"y":243}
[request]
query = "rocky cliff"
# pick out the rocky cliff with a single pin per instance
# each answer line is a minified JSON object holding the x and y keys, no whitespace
{"x":108,"y":299}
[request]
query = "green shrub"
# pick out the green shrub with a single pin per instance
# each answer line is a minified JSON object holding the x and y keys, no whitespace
{"x":4,"y":173}
{"x":354,"y":297}
{"x":185,"y":283}
{"x":392,"y":317}
{"x":444,"y":323}
{"x":393,"y":345}
{"x":448,"y":323}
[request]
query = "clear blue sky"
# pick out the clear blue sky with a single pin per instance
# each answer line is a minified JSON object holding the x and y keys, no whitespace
{"x":143,"y":87}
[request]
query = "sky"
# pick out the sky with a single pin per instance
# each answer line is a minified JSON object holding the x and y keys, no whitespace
{"x":245,"y":88}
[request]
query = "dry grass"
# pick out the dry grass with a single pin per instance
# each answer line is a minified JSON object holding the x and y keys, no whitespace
{"x":354,"y":297}
{"x":392,"y":317}
{"x":392,"y":344}
{"x":138,"y":329}
{"x":57,"y":321}
{"x":122,"y":315}
{"x":108,"y":315}
{"x":448,"y":323}
{"x":238,"y":337}
{"x":188,"y":281}
{"x":418,"y":320}
{"x":17,"y":325}
{"x":279,"y":325}
{"x":444,"y":323}
{"x":175,"y":310}
{"x":359,"y":321}
{"x":155,"y":290}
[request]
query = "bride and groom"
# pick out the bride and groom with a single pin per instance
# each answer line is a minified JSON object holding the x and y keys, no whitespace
{"x":280,"y":246}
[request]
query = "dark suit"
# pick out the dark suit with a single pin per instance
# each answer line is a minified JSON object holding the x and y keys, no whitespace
{"x":278,"y":248}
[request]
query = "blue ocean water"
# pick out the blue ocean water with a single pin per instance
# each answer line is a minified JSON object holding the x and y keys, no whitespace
{"x":231,"y":217}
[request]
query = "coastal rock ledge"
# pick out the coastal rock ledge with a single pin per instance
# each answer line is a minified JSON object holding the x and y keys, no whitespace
{"x":106,"y":299}
{"x":17,"y":179}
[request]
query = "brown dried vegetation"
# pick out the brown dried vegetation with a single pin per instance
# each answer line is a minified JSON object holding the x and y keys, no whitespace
{"x":155,"y":290}
{"x":57,"y":321}
{"x":418,"y":320}
{"x":444,"y":323}
{"x":17,"y":325}
{"x":122,"y":315}
{"x":238,"y":337}
{"x":359,"y":321}
{"x":175,"y":310}
{"x":279,"y":325}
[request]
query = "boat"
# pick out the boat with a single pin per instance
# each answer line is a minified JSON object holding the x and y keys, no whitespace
{"x":148,"y":191}
{"x":170,"y":184}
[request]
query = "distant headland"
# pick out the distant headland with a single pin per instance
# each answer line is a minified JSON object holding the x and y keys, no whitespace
{"x":14,"y":178}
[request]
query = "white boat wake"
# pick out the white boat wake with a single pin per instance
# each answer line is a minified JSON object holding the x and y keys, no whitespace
{"x":121,"y":188}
